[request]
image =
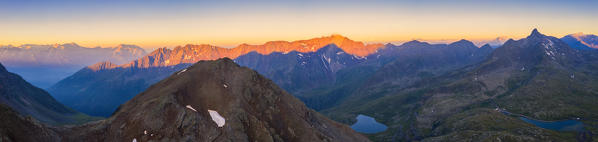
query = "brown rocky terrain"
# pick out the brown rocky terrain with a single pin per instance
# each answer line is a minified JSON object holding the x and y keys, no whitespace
{"x":176,"y":109}
{"x":14,"y":127}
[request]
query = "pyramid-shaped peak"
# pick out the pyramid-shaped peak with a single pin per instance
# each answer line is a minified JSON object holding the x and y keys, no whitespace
{"x":486,"y":46}
{"x":414,"y":42}
{"x":535,"y":33}
{"x":463,"y":41}
{"x":463,"y":44}
{"x":330,"y":48}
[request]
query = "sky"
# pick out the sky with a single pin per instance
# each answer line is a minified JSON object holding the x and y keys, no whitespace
{"x":152,"y":24}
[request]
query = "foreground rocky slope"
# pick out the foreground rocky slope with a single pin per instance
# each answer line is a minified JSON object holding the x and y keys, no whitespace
{"x":98,"y":91}
{"x":15,"y":128}
{"x":179,"y":109}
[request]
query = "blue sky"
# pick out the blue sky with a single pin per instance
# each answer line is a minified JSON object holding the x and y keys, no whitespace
{"x":154,"y":24}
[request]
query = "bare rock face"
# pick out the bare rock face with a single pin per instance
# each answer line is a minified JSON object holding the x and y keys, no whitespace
{"x":14,"y":127}
{"x":189,"y":106}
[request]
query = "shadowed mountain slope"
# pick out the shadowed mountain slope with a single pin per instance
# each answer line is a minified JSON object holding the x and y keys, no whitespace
{"x":29,"y":100}
{"x":581,"y":41}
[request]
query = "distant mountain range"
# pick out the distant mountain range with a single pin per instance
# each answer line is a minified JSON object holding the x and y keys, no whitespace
{"x":29,"y":100}
{"x":209,"y":101}
{"x":98,"y":89}
{"x":323,"y":78}
{"x":44,"y":65}
{"x":190,"y":54}
{"x":539,"y":77}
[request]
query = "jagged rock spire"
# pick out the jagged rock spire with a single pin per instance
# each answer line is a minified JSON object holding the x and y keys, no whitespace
{"x":535,"y":34}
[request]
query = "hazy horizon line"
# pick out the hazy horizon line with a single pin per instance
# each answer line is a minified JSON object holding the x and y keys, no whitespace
{"x":477,"y":42}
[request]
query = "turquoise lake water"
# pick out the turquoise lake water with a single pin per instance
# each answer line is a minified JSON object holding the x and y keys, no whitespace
{"x":564,"y":125}
{"x":368,"y":125}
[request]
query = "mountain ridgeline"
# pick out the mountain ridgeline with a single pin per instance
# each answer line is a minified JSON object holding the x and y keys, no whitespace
{"x":99,"y":89}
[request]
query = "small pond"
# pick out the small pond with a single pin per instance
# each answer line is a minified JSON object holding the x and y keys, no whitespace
{"x":368,"y":125}
{"x":563,"y":125}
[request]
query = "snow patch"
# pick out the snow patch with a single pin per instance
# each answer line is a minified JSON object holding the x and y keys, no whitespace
{"x":145,"y":132}
{"x":327,"y":59}
{"x":219,"y":120}
{"x":189,"y":107}
{"x":323,"y":59}
{"x":225,"y":86}
{"x":360,"y":57}
{"x":549,"y":49}
{"x":134,"y":140}
{"x":338,"y":53}
{"x":181,"y":71}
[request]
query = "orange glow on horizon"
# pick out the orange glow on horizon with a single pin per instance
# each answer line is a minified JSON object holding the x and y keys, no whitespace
{"x":227,"y":24}
{"x":150,"y":44}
